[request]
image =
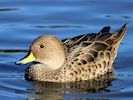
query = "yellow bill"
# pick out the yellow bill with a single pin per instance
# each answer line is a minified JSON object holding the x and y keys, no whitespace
{"x":29,"y":58}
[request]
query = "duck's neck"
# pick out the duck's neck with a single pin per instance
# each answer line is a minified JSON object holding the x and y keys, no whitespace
{"x":55,"y":62}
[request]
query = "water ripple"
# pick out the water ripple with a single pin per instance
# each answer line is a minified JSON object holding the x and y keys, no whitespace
{"x":8,"y":9}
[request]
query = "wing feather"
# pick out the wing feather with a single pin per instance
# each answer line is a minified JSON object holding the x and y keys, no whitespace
{"x":87,"y":46}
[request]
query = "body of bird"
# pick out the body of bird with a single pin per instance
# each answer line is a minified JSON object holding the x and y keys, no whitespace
{"x":84,"y":57}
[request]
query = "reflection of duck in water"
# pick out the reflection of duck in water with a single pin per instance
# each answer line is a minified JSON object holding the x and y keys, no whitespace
{"x":84,"y":57}
{"x":56,"y":91}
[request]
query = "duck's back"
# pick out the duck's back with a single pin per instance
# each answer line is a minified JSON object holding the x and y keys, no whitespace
{"x":92,"y":55}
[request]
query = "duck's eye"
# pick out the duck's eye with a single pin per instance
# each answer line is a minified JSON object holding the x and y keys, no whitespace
{"x":42,"y":46}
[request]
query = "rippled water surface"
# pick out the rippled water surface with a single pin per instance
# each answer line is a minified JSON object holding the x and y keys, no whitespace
{"x":23,"y":20}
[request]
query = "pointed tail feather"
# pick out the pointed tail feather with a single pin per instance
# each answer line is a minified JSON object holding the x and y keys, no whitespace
{"x":120,"y":34}
{"x":112,"y":39}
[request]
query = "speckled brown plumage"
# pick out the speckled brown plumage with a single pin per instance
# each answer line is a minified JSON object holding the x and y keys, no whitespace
{"x":87,"y":57}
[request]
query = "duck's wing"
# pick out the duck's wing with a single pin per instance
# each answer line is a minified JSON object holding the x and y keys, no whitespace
{"x":93,"y":56}
{"x":88,"y":46}
{"x":71,"y":42}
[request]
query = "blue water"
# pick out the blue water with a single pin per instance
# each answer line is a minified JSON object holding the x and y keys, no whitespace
{"x":21,"y":21}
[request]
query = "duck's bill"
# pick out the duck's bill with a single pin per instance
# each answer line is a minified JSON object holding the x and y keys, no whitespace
{"x":28,"y":58}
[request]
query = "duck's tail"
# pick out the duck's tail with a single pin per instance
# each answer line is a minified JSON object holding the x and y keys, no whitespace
{"x":112,"y":39}
{"x":119,"y":35}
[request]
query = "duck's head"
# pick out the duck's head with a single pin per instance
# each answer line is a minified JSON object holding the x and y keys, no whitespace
{"x":46,"y":49}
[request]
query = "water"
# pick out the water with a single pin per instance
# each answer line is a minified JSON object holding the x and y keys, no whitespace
{"x":22,"y":21}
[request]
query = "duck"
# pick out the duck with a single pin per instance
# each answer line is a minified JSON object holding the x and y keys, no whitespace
{"x":83,"y":57}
